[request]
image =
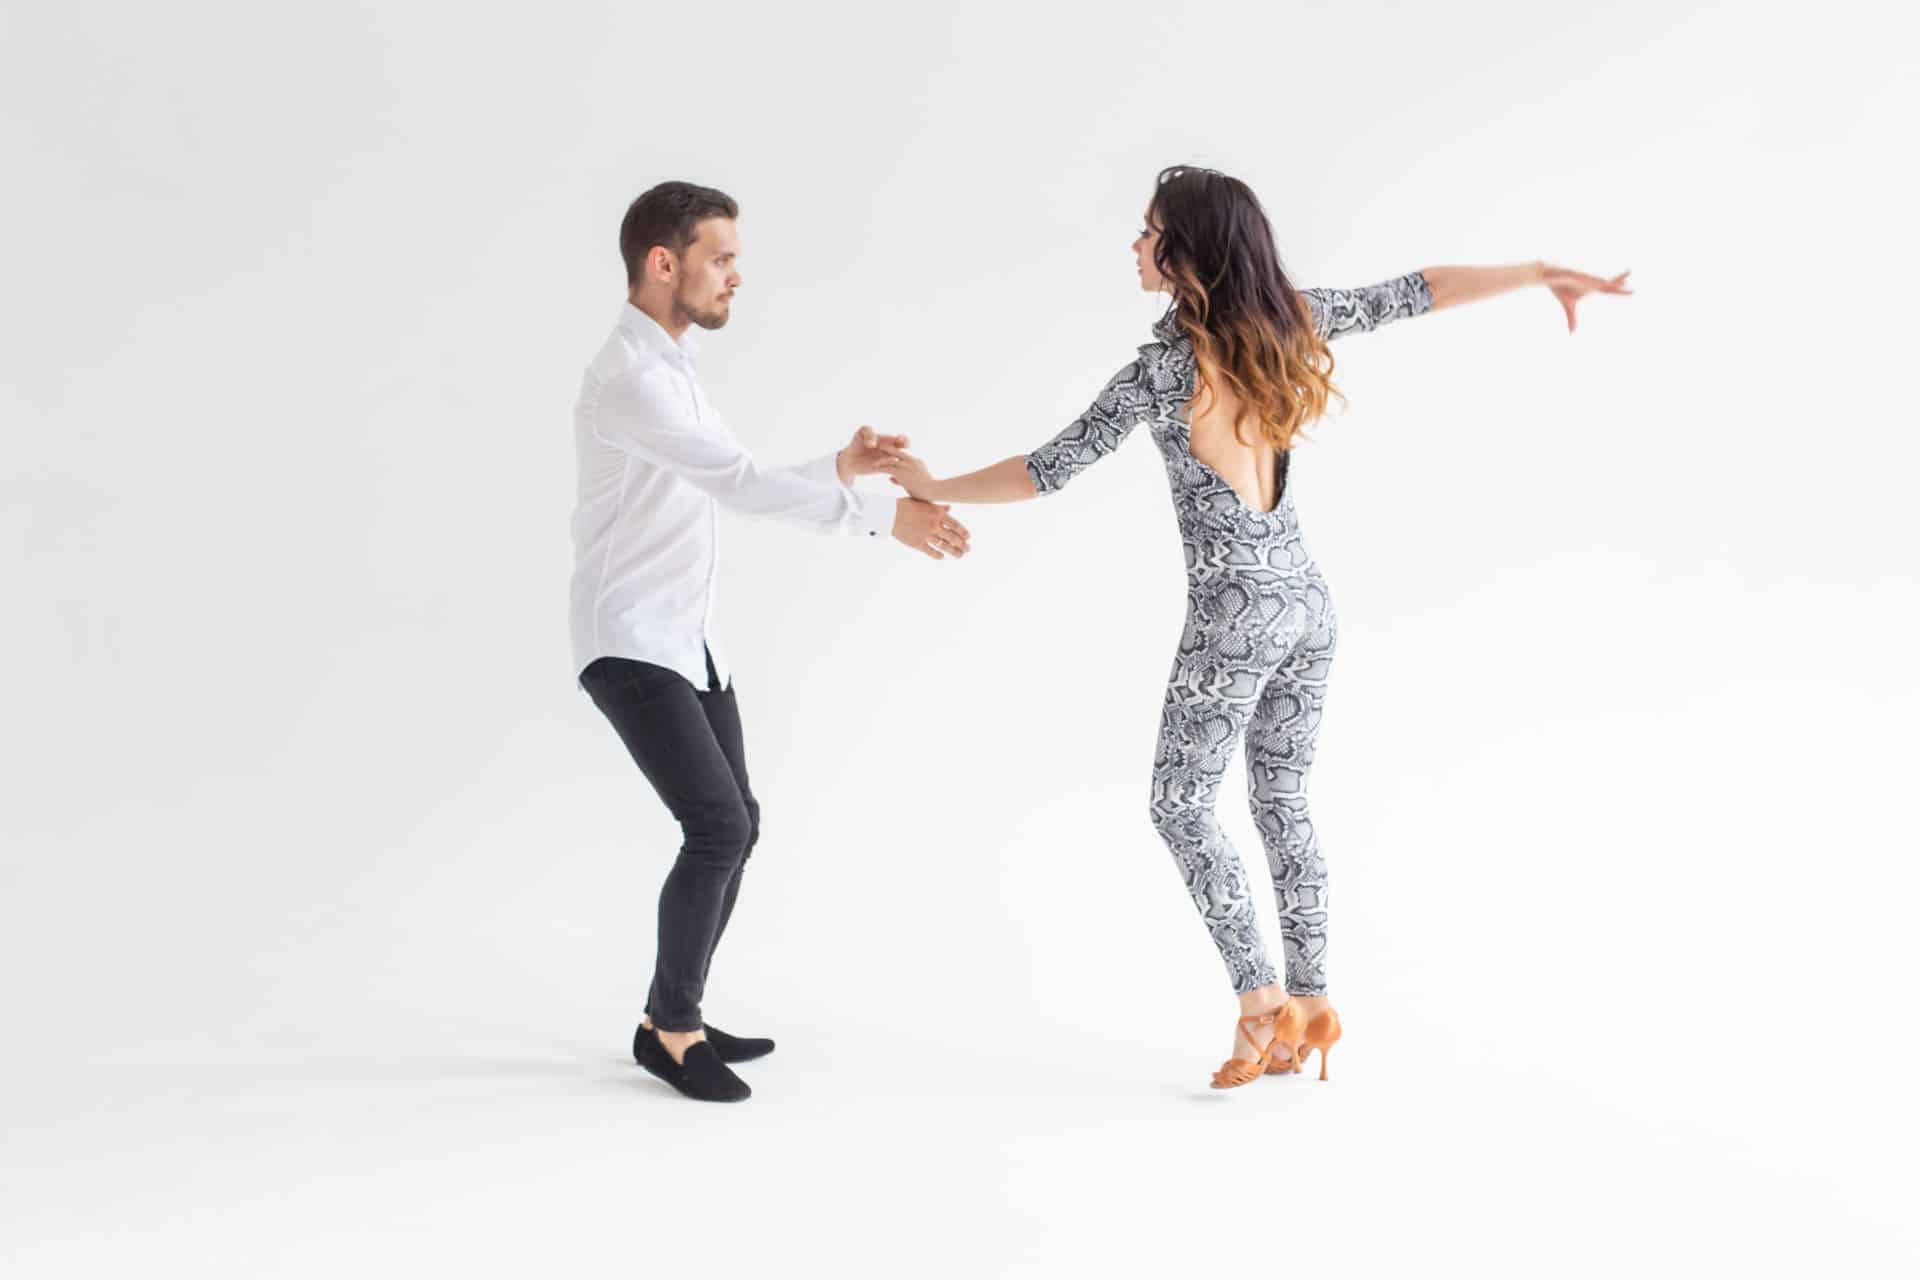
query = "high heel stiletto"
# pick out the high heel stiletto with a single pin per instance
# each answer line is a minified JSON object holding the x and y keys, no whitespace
{"x":1320,"y":1032}
{"x":1234,"y":1072}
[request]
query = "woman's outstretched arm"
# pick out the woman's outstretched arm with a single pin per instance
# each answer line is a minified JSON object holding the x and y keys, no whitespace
{"x":1004,"y":481}
{"x":1337,"y":312}
{"x":1081,"y":443}
{"x":1454,"y":285}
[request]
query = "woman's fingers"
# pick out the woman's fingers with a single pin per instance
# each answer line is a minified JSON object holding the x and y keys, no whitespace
{"x":1615,"y":285}
{"x":1571,"y":286}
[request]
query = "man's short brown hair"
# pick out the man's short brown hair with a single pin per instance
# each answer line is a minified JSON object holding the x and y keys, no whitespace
{"x":669,"y":214}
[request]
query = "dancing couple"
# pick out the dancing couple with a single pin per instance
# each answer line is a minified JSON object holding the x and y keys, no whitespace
{"x":1238,"y":367}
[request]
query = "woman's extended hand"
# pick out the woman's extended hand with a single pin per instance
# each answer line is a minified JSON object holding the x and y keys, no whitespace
{"x":910,"y":474}
{"x":1571,"y":286}
{"x":866,"y":452}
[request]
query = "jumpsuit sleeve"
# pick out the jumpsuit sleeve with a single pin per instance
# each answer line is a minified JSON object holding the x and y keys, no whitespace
{"x":1343,"y":311}
{"x":1093,"y":435}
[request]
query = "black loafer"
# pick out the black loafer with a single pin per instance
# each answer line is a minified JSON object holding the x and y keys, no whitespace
{"x":731,"y":1048}
{"x":699,"y":1074}
{"x":737,"y":1048}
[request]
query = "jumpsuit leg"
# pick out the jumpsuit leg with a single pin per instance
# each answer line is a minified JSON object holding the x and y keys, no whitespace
{"x":1280,"y":742}
{"x":1209,"y":703}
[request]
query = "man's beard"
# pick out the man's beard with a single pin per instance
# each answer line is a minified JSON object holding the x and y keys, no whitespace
{"x":714,"y":317}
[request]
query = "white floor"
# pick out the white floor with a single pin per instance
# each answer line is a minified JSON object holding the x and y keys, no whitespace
{"x":253,"y":1032}
{"x":1044,"y":1150}
{"x":297,"y":1047}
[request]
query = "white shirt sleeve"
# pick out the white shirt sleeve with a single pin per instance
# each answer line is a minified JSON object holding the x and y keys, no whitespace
{"x":645,"y":413}
{"x":875,"y":510}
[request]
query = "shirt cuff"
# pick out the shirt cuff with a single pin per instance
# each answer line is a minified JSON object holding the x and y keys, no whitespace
{"x":872,"y":511}
{"x":825,"y":469}
{"x":876,"y":511}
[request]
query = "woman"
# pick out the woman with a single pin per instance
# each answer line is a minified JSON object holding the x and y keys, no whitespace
{"x":1239,"y":367}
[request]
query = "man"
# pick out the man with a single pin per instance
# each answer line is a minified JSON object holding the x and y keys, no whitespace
{"x":655,"y":464}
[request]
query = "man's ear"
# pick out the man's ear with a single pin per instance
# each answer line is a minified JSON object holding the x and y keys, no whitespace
{"x":660,"y":261}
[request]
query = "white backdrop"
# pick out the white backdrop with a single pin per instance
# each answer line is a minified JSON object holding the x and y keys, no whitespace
{"x":328,"y":898}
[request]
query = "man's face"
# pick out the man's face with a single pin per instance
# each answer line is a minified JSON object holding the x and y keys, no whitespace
{"x":709,"y":273}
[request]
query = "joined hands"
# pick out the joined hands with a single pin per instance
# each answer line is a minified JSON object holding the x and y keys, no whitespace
{"x":917,"y":523}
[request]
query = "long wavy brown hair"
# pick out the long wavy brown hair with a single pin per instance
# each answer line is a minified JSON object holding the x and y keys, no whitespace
{"x":1249,"y":326}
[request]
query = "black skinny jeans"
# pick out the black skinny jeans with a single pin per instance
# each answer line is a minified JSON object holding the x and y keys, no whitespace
{"x":688,"y":743}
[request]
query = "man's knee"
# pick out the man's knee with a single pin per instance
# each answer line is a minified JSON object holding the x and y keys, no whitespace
{"x":753,"y":827}
{"x":721,"y":830}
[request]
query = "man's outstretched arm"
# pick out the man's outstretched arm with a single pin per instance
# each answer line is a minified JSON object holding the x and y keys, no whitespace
{"x":643,"y":413}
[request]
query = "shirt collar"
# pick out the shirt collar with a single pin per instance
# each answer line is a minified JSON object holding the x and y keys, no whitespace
{"x":1167,"y":327}
{"x":645,"y":330}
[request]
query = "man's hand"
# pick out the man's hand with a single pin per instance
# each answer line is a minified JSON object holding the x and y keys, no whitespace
{"x":927,"y":528}
{"x":866,"y":452}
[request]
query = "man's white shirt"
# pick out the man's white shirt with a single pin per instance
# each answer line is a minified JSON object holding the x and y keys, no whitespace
{"x":655,"y":464}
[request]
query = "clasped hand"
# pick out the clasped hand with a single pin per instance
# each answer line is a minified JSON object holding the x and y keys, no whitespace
{"x":919,"y":523}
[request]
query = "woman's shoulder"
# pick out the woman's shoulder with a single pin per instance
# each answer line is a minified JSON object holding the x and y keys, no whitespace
{"x":1167,"y":361}
{"x":1170,"y":342}
{"x":1168,"y":337}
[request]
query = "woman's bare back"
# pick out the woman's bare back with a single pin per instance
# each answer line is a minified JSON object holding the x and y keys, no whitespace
{"x":1248,"y":470}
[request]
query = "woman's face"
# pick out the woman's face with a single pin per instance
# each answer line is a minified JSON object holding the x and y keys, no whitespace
{"x":1143,"y":244}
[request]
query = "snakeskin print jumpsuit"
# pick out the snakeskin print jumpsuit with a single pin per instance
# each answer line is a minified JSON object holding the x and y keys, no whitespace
{"x":1254,"y":652}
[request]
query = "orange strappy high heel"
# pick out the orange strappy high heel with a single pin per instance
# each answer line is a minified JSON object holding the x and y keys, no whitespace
{"x":1235,"y":1072}
{"x":1322,"y":1029}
